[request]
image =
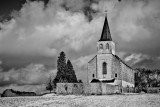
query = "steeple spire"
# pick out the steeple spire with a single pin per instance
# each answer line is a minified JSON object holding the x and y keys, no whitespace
{"x":106,"y":35}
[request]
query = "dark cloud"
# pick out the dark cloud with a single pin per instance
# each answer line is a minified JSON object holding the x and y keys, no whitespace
{"x":39,"y":31}
{"x":8,"y":6}
{"x":79,"y":6}
{"x":33,"y":74}
{"x":152,"y":63}
{"x":19,"y":61}
{"x":136,"y":28}
{"x":45,"y":1}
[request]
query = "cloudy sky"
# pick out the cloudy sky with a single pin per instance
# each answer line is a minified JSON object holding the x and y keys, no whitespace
{"x":34,"y":32}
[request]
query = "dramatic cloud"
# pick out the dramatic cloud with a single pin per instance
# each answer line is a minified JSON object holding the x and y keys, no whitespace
{"x":39,"y":31}
{"x":33,"y":74}
{"x":136,"y":26}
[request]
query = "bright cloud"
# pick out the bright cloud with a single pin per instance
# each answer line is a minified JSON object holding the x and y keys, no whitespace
{"x":33,"y":74}
{"x":41,"y":32}
{"x":136,"y":58}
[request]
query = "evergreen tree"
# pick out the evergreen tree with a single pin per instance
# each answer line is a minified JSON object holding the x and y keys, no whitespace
{"x":61,"y":69}
{"x":71,"y":76}
{"x":65,"y":72}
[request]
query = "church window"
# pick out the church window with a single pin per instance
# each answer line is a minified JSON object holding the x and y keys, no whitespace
{"x":93,"y":75}
{"x":107,"y":46}
{"x":104,"y":67}
{"x":101,"y":46}
{"x":115,"y":74}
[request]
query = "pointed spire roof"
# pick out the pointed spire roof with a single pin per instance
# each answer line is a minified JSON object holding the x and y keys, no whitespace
{"x":106,"y":35}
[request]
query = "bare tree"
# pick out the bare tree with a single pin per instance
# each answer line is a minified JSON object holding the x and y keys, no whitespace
{"x":50,"y":84}
{"x":157,"y":78}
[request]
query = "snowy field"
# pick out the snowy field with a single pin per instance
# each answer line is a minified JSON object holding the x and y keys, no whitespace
{"x":51,"y":100}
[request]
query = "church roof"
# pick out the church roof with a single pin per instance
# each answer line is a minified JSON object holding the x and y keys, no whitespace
{"x":106,"y":35}
{"x":122,"y":61}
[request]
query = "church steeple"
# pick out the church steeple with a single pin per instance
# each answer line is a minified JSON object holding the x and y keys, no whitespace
{"x":106,"y":35}
{"x":105,"y":45}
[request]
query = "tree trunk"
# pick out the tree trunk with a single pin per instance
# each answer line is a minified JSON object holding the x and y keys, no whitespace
{"x":156,"y":79}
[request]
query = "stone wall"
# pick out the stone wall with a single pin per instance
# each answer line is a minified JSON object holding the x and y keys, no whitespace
{"x":127,"y":76}
{"x":127,"y":84}
{"x":116,"y":68}
{"x":86,"y":88}
{"x":128,"y":90}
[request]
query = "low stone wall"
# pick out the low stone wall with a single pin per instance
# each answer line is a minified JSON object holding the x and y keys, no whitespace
{"x":128,"y":90}
{"x":86,"y":88}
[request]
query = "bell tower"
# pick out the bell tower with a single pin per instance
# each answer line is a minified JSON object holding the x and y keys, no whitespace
{"x":105,"y":45}
{"x":106,"y":50}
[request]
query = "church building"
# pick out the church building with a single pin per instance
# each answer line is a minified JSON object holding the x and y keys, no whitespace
{"x":106,"y":66}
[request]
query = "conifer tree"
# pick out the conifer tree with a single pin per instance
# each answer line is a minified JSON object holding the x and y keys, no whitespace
{"x":61,"y":68}
{"x":65,"y":72}
{"x":70,"y":72}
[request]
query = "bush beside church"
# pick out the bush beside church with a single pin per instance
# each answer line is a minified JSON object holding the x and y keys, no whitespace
{"x":13,"y":93}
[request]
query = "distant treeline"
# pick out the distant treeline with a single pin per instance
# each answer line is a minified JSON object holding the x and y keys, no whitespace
{"x":13,"y":93}
{"x":145,"y":78}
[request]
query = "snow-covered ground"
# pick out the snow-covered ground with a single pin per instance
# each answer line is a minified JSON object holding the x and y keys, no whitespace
{"x":52,"y":100}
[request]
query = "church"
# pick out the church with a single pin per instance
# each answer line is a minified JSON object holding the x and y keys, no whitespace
{"x":106,"y":66}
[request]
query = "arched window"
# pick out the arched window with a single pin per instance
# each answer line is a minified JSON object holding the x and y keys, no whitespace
{"x":101,"y":46}
{"x":93,"y":75}
{"x":107,"y":46}
{"x":115,"y":74}
{"x":104,"y":68}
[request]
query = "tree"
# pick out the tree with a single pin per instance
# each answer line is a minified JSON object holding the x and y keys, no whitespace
{"x":140,"y":79}
{"x":157,"y":73}
{"x":65,"y":71}
{"x":49,"y":84}
{"x":71,"y":76}
{"x":147,"y":78}
{"x":148,"y":73}
{"x":61,"y":69}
